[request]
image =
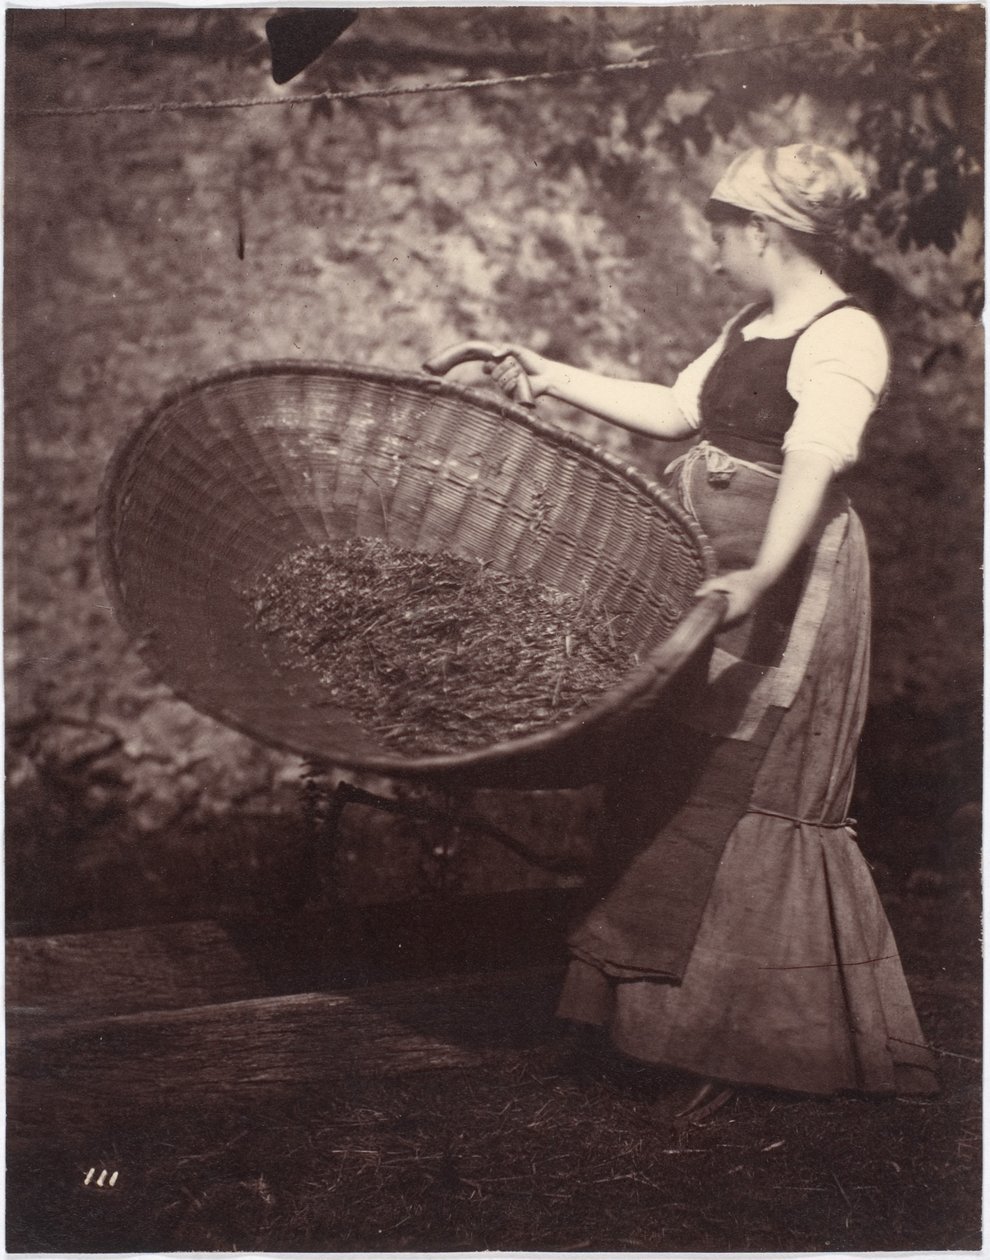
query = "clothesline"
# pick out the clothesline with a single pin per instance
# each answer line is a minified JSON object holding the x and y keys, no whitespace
{"x":458,"y":85}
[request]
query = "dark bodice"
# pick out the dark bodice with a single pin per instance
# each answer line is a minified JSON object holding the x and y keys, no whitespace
{"x":745,"y":407}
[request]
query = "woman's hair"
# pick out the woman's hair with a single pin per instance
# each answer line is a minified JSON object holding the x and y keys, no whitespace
{"x":724,"y":212}
{"x":827,"y":252}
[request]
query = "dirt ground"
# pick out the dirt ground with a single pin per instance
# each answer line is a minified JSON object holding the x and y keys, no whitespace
{"x":554,"y":1145}
{"x":146,"y":249}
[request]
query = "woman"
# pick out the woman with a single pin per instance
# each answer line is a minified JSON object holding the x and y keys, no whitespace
{"x":733,"y":930}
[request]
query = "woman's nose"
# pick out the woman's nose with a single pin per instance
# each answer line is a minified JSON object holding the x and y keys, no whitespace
{"x":711,"y":257}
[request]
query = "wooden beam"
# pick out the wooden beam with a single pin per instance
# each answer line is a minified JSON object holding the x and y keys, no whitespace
{"x":135,"y":969}
{"x":175,"y":965}
{"x":67,"y":1074}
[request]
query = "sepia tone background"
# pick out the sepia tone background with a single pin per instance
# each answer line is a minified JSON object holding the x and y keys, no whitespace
{"x":143,"y":249}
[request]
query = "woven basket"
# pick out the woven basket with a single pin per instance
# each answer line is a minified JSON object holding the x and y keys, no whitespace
{"x":229,"y":475}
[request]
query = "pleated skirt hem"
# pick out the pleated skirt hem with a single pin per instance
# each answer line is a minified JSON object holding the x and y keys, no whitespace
{"x":794,"y":982}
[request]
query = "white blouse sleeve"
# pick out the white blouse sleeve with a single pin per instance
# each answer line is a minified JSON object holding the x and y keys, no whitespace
{"x":837,"y":373}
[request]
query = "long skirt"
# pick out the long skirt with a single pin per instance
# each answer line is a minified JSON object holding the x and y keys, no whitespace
{"x":790,"y":977}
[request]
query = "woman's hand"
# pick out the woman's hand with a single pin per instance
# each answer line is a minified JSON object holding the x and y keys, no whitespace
{"x":743,"y":587}
{"x":511,"y":362}
{"x":637,"y":405}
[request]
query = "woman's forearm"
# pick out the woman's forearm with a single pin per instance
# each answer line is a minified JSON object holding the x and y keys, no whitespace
{"x":804,"y":482}
{"x":638,"y":405}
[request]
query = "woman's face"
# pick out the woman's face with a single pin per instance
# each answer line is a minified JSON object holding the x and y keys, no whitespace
{"x":738,"y":254}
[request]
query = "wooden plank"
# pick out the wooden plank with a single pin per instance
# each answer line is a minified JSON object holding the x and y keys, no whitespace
{"x":171,"y":966}
{"x":64,"y":1072}
{"x":176,"y":965}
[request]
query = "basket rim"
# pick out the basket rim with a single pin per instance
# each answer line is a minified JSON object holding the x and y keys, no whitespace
{"x":697,"y":625}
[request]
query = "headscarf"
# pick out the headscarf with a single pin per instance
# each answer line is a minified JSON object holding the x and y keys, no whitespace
{"x":806,"y":187}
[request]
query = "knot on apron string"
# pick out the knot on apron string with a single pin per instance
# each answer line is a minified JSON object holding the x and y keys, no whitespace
{"x":719,"y":466}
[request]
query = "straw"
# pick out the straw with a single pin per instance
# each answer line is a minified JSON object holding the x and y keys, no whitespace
{"x":432,"y":652}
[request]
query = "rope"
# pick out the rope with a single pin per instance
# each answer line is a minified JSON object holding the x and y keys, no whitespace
{"x":847,"y":824}
{"x":461,"y":85}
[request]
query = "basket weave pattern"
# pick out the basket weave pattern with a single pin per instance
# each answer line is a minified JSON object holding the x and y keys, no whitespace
{"x":226,"y":477}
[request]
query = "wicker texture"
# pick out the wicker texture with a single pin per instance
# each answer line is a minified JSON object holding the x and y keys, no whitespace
{"x":226,"y":477}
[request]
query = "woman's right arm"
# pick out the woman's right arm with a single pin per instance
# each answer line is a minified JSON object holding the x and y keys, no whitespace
{"x":637,"y":405}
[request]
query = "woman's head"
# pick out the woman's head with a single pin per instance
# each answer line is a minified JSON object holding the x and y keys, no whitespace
{"x":798,"y":198}
{"x":828,"y":253}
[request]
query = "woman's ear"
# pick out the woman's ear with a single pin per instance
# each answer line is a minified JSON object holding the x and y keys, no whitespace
{"x":759,"y":230}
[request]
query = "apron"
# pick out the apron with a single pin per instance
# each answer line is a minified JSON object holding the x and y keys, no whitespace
{"x":683,"y":790}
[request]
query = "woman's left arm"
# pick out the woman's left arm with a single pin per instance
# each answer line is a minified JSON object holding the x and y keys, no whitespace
{"x":837,"y":374}
{"x":804,"y":482}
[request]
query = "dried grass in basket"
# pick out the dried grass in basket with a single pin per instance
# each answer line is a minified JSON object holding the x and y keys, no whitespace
{"x":231,"y":474}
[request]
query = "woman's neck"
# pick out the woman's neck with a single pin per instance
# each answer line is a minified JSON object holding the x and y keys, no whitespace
{"x":798,"y":292}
